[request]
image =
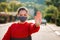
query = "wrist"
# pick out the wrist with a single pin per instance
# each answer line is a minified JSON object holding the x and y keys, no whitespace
{"x":37,"y":24}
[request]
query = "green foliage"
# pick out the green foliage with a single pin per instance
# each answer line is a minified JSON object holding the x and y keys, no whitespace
{"x":53,"y":2}
{"x":48,"y":17}
{"x":58,"y":22}
{"x":3,"y":6}
{"x":6,"y":18}
{"x":14,"y":6}
{"x":53,"y":11}
{"x":3,"y":19}
{"x":53,"y":8}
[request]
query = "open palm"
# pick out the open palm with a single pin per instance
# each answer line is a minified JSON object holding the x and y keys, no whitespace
{"x":38,"y":17}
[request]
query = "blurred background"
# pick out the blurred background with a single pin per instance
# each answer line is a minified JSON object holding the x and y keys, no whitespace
{"x":50,"y":10}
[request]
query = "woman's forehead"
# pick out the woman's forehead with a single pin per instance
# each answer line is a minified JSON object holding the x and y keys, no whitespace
{"x":22,"y":12}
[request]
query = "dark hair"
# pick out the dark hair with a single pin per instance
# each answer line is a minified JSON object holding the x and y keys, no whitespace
{"x":21,"y":9}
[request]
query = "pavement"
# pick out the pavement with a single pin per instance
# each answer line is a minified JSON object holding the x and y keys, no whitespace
{"x":55,"y":28}
{"x":46,"y":32}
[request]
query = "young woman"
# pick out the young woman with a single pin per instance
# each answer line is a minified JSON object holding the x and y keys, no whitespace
{"x":22,"y":30}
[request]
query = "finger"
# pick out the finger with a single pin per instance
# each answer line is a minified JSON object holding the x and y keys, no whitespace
{"x":37,"y":19}
{"x":38,"y":13}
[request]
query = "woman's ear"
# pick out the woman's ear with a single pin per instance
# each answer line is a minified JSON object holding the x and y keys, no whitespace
{"x":27,"y":16}
{"x":17,"y":15}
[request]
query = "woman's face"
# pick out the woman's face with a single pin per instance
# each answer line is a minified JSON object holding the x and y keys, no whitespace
{"x":23,"y":13}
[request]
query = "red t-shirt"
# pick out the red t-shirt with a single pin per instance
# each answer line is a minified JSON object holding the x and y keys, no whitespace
{"x":18,"y":30}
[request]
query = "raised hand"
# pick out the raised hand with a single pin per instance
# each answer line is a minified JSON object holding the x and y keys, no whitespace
{"x":38,"y":18}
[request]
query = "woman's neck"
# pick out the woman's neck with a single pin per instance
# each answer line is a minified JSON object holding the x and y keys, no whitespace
{"x":21,"y":22}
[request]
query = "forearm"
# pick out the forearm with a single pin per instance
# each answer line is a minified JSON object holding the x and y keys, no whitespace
{"x":34,"y":28}
{"x":37,"y":23}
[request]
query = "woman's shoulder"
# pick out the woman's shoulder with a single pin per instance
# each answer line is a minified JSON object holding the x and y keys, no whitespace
{"x":30,"y":23}
{"x":13,"y":24}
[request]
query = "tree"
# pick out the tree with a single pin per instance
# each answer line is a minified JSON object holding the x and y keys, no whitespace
{"x":14,"y":6}
{"x":56,"y":3}
{"x":55,"y":10}
{"x":3,"y":6}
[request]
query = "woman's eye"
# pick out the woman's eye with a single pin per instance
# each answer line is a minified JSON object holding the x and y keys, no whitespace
{"x":25,"y":15}
{"x":20,"y":15}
